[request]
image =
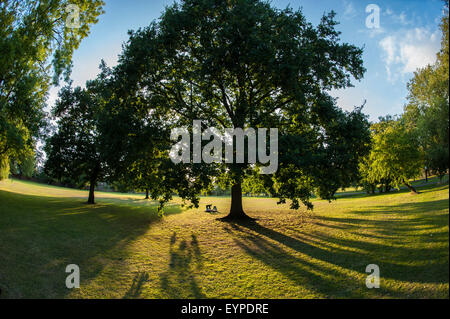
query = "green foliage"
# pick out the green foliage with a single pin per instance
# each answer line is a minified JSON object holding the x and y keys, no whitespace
{"x":74,"y":150}
{"x":24,"y":166}
{"x":4,"y":167}
{"x":245,"y":64}
{"x":191,"y":254}
{"x":36,"y":49}
{"x":427,"y":112}
{"x":134,"y":135}
{"x":394,"y":157}
{"x":252,"y":184}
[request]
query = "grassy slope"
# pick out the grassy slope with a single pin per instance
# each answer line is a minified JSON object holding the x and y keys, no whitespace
{"x":124,"y":250}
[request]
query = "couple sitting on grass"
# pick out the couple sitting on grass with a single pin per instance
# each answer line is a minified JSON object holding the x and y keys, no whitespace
{"x":209,"y":210}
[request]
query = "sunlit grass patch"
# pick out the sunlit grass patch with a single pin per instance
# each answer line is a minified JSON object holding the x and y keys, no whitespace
{"x":125,"y":250}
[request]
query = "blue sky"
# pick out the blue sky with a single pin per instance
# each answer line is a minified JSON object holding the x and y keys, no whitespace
{"x":408,"y":38}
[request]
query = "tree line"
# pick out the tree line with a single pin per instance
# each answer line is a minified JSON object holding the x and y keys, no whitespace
{"x":417,"y":140}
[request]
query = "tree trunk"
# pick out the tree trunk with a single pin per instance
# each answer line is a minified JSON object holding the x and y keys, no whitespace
{"x":426,"y":176}
{"x":91,"y":193}
{"x":146,"y":193}
{"x":92,"y":184}
{"x":410,"y":187}
{"x":236,"y":210}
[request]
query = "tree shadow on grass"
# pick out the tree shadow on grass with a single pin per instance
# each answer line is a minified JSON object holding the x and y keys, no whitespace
{"x":331,"y":264}
{"x":179,"y":281}
{"x":314,"y":269}
{"x":41,"y":235}
{"x":136,"y":287}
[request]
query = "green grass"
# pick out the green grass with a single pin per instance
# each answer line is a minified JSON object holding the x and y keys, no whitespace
{"x":432,"y":180}
{"x":125,"y":250}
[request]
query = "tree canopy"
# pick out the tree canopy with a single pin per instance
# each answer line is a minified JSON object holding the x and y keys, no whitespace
{"x":74,"y":151}
{"x":427,"y":111}
{"x":244,"y":64}
{"x":36,"y":48}
{"x":394,"y":157}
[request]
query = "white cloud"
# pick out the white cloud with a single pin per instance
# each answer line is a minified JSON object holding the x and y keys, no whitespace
{"x":388,"y":44}
{"x":372,"y":33}
{"x":400,"y":18}
{"x":349,"y":10}
{"x":407,"y":50}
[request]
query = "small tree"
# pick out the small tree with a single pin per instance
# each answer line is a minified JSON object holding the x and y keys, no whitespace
{"x":394,"y":157}
{"x":24,"y":166}
{"x":74,"y":151}
{"x":366,"y":180}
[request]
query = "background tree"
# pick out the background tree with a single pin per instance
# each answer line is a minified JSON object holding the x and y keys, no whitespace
{"x":427,"y":111}
{"x":245,"y":64}
{"x":135,"y":139}
{"x":36,"y":49}
{"x":74,"y":150}
{"x":253,"y":185}
{"x":4,"y":168}
{"x":394,"y":157}
{"x":366,"y":179}
{"x":24,"y":166}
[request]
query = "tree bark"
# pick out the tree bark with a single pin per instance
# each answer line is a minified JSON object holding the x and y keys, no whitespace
{"x":94,"y":176}
{"x":410,"y":187}
{"x":236,"y":210}
{"x":146,"y":193}
{"x":91,"y":193}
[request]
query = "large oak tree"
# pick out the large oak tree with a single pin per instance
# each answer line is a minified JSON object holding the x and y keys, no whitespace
{"x":244,"y":64}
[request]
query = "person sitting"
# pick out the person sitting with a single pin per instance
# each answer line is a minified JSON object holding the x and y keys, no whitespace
{"x":208,"y":208}
{"x":214,"y":210}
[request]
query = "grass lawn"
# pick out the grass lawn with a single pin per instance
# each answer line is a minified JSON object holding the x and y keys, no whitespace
{"x":124,"y":250}
{"x":414,"y":182}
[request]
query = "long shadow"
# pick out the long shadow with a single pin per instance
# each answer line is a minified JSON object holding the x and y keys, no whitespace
{"x":315,"y":275}
{"x":413,"y":215}
{"x":40,"y":236}
{"x":136,"y":287}
{"x":327,"y":255}
{"x":179,"y":281}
